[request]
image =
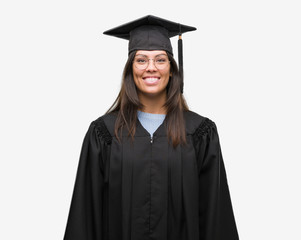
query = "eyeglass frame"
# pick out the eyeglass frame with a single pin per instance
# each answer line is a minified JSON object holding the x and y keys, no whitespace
{"x":148,"y":59}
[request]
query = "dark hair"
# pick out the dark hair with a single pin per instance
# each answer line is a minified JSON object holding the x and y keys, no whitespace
{"x":127,"y":103}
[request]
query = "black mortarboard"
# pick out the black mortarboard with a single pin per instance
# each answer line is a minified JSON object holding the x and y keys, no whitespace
{"x":152,"y":33}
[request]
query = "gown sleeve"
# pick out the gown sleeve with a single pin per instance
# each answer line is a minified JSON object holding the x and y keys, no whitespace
{"x":85,"y":220}
{"x":217,"y":220}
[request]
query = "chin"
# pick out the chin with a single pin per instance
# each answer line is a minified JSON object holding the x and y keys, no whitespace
{"x":152,"y":92}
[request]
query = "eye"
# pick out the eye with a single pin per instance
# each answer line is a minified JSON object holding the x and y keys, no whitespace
{"x":140,"y":60}
{"x":161,"y":59}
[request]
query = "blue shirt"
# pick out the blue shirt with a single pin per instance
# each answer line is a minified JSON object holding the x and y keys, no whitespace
{"x":150,"y":121}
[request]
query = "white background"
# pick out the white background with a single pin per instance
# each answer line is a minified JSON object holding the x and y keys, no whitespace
{"x":59,"y":72}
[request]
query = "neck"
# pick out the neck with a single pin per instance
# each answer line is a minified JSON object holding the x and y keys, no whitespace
{"x":153,"y":104}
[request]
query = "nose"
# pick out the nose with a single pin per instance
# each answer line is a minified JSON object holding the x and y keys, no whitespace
{"x":151,"y":66}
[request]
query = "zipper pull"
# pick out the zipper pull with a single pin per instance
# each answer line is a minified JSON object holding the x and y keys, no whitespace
{"x":151,"y":140}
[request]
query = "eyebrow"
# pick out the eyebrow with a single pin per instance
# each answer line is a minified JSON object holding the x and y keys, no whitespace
{"x":147,"y":56}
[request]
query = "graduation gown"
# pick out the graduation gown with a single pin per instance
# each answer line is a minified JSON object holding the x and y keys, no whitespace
{"x":148,"y":190}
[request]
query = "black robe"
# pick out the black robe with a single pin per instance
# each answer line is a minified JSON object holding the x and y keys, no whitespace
{"x":147,"y":190}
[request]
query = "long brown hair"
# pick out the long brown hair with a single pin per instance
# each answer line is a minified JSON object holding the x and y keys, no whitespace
{"x":127,"y":103}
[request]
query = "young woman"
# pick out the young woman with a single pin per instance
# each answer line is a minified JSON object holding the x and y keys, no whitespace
{"x":150,"y":168}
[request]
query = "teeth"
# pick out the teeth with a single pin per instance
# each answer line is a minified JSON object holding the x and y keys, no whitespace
{"x":151,"y":79}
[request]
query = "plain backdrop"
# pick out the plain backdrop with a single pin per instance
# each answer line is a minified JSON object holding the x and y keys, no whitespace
{"x":58,"y":73}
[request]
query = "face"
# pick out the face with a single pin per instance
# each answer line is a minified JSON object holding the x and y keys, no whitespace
{"x":151,"y":80}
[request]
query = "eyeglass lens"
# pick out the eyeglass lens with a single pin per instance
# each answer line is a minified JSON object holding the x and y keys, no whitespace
{"x":160,"y":61}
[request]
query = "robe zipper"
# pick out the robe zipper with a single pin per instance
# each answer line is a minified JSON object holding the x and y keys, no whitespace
{"x":150,"y":206}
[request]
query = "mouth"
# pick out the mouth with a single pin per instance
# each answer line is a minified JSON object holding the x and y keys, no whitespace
{"x":151,"y":80}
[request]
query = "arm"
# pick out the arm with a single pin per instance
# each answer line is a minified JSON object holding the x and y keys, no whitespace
{"x":85,"y":220}
{"x":216,"y":214}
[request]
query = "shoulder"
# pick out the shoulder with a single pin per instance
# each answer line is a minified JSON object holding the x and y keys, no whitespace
{"x":108,"y":120}
{"x":104,"y":126}
{"x":197,"y":124}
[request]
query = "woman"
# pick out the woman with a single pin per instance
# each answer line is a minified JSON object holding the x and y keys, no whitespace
{"x":150,"y":168}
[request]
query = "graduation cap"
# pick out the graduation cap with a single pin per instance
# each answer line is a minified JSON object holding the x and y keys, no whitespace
{"x":152,"y":33}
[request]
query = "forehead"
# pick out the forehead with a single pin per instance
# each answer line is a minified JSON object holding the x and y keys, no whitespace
{"x":150,"y":53}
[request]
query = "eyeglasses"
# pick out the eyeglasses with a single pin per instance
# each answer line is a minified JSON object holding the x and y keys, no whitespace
{"x":141,"y":61}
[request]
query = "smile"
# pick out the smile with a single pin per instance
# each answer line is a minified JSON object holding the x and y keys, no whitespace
{"x":151,"y":80}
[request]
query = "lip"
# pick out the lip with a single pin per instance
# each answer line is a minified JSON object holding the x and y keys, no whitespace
{"x":150,"y":80}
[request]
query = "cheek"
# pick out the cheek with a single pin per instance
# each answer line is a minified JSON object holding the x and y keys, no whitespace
{"x":166,"y":75}
{"x":136,"y":76}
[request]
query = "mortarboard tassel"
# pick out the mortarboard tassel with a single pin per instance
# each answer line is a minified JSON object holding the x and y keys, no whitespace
{"x":180,"y":60}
